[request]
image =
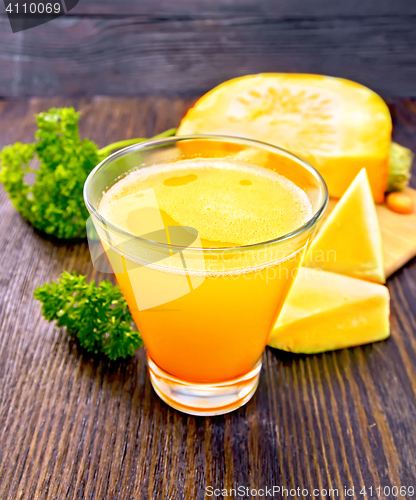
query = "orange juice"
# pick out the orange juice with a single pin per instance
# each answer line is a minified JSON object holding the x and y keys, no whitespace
{"x":216,"y":328}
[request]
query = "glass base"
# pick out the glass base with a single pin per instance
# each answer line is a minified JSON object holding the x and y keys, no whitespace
{"x":204,"y":399}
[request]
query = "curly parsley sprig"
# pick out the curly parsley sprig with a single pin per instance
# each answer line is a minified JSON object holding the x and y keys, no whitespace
{"x":97,"y":315}
{"x":53,"y":203}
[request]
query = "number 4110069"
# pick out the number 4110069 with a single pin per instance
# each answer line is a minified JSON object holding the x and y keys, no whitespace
{"x":386,"y":491}
{"x":34,"y":8}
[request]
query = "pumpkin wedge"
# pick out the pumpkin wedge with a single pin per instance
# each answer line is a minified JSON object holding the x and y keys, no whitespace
{"x":349,"y":241}
{"x":326,"y":311}
{"x":337,"y":125}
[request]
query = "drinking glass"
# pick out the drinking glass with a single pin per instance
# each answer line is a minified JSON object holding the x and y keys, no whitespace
{"x":204,"y":314}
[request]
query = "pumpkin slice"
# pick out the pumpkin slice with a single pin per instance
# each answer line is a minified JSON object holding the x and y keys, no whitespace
{"x":337,"y":125}
{"x":326,"y":311}
{"x":349,"y":241}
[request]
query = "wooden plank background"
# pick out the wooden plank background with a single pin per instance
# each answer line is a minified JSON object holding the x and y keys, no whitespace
{"x":72,"y":427}
{"x":183,"y":47}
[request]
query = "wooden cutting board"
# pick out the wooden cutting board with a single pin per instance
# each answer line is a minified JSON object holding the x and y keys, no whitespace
{"x":398,"y":232}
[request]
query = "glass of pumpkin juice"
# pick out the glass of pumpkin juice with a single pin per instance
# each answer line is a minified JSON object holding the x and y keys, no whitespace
{"x":204,"y":235}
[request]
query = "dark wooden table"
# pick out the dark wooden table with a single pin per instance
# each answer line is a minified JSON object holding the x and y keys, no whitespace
{"x":73,"y":427}
{"x":131,"y":47}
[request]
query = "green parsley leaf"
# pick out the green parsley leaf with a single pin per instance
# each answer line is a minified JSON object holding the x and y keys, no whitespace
{"x":54,"y":202}
{"x":97,"y":315}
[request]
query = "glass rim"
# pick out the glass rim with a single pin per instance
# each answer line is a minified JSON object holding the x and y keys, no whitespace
{"x":223,"y":138}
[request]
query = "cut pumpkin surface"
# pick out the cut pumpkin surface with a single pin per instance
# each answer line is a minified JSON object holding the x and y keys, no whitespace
{"x":326,"y":311}
{"x":337,"y":125}
{"x":349,"y":241}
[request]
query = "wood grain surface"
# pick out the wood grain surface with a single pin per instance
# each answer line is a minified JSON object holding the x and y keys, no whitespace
{"x":74,"y":427}
{"x":182,"y":47}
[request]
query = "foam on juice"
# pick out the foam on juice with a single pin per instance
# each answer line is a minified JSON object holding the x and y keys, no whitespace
{"x":229,"y":202}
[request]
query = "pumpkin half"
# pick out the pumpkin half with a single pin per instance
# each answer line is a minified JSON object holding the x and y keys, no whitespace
{"x":337,"y":125}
